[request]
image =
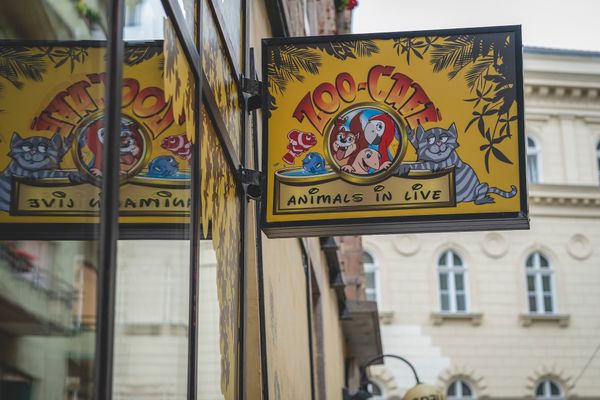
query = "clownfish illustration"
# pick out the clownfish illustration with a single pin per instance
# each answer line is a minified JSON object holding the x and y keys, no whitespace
{"x":179,"y":145}
{"x":300,"y":143}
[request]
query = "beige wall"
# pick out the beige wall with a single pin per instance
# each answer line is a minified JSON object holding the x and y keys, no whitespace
{"x":492,"y":346}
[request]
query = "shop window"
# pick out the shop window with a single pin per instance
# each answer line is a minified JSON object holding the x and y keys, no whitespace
{"x":540,"y":284}
{"x":371,"y":271}
{"x":533,"y":161}
{"x":460,"y":390}
{"x":548,"y":390}
{"x":452,"y":281}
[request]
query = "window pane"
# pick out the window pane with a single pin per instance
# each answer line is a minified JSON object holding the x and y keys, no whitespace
{"x":529,"y":262}
{"x":461,"y":302}
{"x":554,"y":389}
{"x":540,"y":390}
{"x":445,"y":302}
{"x":456,"y":260}
{"x":466,"y":390}
{"x":532,"y":304}
{"x":442,"y":260}
{"x":367,"y":258}
{"x":451,"y":389}
{"x":459,"y":281}
{"x":443,"y":281}
{"x":544,"y":262}
{"x":370,"y":280}
{"x":371,"y":295}
{"x":546,"y":283}
{"x":532,"y":168}
{"x":548,"y":303}
{"x":530,"y":283}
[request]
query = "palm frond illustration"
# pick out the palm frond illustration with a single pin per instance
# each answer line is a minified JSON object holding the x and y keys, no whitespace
{"x":21,"y":63}
{"x":487,"y":64}
{"x":290,"y":63}
{"x":417,"y":46}
{"x":59,"y":56}
{"x":137,"y":55}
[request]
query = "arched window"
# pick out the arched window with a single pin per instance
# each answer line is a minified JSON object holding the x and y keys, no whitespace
{"x":376,"y":391}
{"x":452,"y":279}
{"x":371,"y":270}
{"x":548,"y":390}
{"x":598,"y":159}
{"x":540,"y":284}
{"x":460,"y":390}
{"x":533,"y":161}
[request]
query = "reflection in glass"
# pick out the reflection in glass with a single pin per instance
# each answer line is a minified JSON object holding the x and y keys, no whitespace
{"x":47,"y":319}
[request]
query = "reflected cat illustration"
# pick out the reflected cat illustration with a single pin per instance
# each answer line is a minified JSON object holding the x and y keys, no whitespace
{"x":35,"y":157}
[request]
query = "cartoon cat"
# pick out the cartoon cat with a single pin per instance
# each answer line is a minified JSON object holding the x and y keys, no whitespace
{"x":35,"y":157}
{"x":436,"y":150}
{"x":163,"y":166}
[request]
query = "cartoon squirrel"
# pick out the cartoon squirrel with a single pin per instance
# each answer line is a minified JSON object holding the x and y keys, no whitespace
{"x":344,"y":142}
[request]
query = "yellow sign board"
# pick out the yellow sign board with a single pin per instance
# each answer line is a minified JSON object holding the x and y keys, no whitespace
{"x":399,"y":132}
{"x":52,"y":132}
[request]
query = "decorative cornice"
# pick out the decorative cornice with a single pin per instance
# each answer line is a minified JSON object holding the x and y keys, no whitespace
{"x":583,"y":198}
{"x":563,"y":92}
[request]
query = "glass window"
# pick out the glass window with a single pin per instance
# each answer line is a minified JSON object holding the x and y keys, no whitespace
{"x":371,"y":270}
{"x":548,"y":390}
{"x":452,"y":282}
{"x":460,"y":390}
{"x":540,"y":284}
{"x":533,"y":161}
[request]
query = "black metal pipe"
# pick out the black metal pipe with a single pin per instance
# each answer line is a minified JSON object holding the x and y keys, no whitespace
{"x":109,"y":212}
{"x":259,"y":258}
{"x":382,"y":356}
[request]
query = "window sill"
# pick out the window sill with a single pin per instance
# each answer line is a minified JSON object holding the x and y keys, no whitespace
{"x":386,"y":317}
{"x":438,"y":318}
{"x":529,"y":319}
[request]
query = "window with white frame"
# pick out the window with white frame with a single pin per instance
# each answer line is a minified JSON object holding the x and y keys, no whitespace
{"x":460,"y":390}
{"x":371,"y":270}
{"x":452,"y":282}
{"x":540,"y":284}
{"x":533,"y":160}
{"x":548,"y":390}
{"x":598,"y":159}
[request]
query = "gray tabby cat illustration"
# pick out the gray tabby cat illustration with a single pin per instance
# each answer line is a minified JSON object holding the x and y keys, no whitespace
{"x":436,"y":150}
{"x":35,"y":157}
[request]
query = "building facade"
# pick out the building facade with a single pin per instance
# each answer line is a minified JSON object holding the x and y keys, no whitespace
{"x":508,"y":315}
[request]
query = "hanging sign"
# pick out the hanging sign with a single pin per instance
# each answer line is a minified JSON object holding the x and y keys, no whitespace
{"x":399,"y":132}
{"x":52,"y":131}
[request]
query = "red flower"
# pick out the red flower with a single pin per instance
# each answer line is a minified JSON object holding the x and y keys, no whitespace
{"x":351,"y":4}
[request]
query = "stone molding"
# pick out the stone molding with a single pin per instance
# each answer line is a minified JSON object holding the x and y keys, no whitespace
{"x":550,"y":372}
{"x":563,"y":92}
{"x":585,"y":198}
{"x":465,"y":373}
{"x":529,"y":319}
{"x":438,"y":318}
